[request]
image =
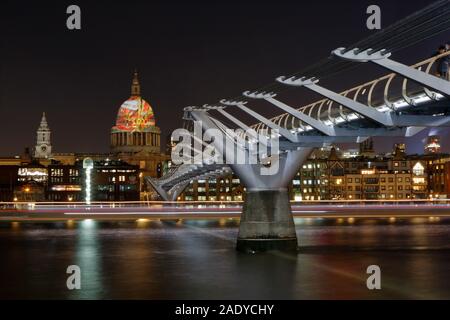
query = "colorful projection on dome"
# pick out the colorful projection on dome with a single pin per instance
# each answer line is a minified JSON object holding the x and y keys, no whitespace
{"x":135,"y":114}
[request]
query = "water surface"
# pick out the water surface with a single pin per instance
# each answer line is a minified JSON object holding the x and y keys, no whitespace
{"x":197,"y":260}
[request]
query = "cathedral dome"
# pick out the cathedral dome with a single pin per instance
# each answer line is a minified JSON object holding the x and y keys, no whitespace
{"x":135,"y":114}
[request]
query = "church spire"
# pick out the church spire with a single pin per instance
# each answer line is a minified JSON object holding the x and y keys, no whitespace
{"x":135,"y":86}
{"x":43,"y":148}
{"x":44,"y":124}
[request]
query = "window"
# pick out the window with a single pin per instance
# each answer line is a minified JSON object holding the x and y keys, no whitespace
{"x":349,"y":180}
{"x":122,"y":178}
{"x":399,"y":180}
{"x":371,"y":181}
{"x":418,"y":180}
{"x":56,"y":172}
{"x":418,"y":169}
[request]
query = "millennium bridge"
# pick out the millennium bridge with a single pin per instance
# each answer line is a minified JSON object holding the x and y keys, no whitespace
{"x":404,"y":102}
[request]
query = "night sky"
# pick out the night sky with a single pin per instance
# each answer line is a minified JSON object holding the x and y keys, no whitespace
{"x":187,"y":53}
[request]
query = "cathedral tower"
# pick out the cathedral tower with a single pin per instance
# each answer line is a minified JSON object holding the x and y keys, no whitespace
{"x":43,"y":148}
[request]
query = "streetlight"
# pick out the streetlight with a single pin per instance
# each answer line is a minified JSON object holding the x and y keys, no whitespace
{"x":88,"y":165}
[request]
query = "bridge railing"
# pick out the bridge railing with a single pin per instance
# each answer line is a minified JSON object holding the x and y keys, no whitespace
{"x":389,"y":99}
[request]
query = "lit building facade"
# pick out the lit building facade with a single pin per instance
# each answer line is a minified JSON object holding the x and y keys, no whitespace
{"x":110,"y":180}
{"x":329,"y":176}
{"x":227,"y":188}
{"x":361,"y":178}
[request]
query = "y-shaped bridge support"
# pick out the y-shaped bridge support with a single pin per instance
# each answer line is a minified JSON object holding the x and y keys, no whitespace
{"x":266,"y":220}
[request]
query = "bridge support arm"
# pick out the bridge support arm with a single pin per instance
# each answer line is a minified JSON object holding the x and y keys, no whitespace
{"x":241,"y":105}
{"x":270,"y":97}
{"x":249,"y":131}
{"x":368,"y":112}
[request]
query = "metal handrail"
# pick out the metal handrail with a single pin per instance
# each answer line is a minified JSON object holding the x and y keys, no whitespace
{"x":355,"y":93}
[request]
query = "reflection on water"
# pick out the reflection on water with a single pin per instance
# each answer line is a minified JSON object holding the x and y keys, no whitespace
{"x":196,"y":260}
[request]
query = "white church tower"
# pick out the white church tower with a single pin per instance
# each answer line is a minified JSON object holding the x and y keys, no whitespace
{"x":43,"y":147}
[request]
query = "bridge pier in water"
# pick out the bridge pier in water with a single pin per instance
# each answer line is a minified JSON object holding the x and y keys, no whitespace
{"x":267,"y":222}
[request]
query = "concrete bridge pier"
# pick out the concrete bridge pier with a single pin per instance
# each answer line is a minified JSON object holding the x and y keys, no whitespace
{"x":267,"y":222}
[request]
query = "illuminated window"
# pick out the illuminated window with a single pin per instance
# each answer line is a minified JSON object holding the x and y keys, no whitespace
{"x":418,"y":169}
{"x":418,"y":180}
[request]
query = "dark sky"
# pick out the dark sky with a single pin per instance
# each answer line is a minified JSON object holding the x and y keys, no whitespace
{"x":187,"y":53}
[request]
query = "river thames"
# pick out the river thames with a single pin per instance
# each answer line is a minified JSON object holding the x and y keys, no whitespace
{"x":195,"y":259}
